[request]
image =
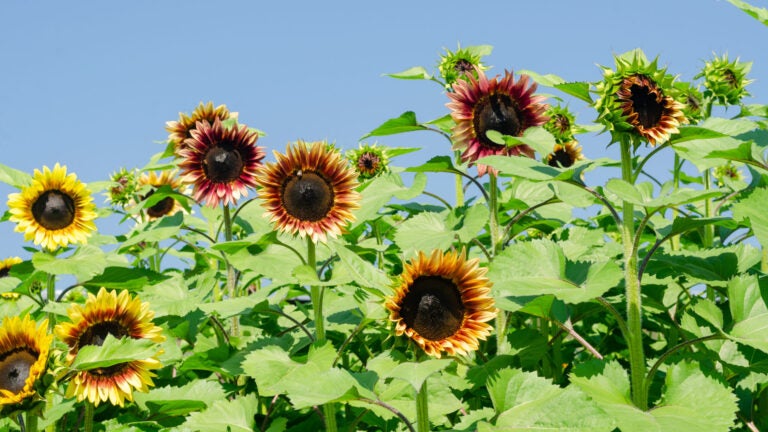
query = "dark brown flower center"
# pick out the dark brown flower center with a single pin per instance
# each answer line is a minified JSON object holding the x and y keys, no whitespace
{"x":97,"y":333}
{"x":433,"y":307}
{"x":4,"y":271}
{"x":561,"y":158}
{"x":730,"y":78}
{"x":14,"y":368}
{"x":647,"y":103}
{"x":561,"y":123}
{"x":307,"y":196}
{"x":160,"y":208}
{"x":223,"y":163}
{"x":463,"y":66}
{"x":368,"y":163}
{"x":54,"y":210}
{"x":497,"y":112}
{"x":693,"y":102}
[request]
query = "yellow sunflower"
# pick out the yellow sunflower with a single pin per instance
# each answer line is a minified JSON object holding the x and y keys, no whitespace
{"x":55,"y":210}
{"x":6,"y":264}
{"x":23,"y":357}
{"x":121,"y":316}
{"x":182,"y":129}
{"x":309,"y":191}
{"x":166,"y":206}
{"x":565,"y":155}
{"x":442,"y":302}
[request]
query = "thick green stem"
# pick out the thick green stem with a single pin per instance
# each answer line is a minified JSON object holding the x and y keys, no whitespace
{"x":709,"y":229}
{"x":422,"y":409}
{"x":496,"y":243}
{"x":675,"y":240}
{"x":31,"y":422}
{"x":88,"y":421}
{"x":634,"y":335}
{"x":231,"y":276}
{"x":459,"y":191}
{"x":50,"y":291}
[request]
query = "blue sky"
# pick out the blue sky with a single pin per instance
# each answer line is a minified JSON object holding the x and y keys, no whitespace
{"x":91,"y":84}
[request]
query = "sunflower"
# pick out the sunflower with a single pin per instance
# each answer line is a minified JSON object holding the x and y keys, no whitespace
{"x":180,"y":130}
{"x":725,"y":80}
{"x":560,"y":124}
{"x":168,"y":205}
{"x":220,"y":162}
{"x":565,"y":155}
{"x":636,"y":100}
{"x":454,"y":65}
{"x":369,"y":160}
{"x":119,"y":315}
{"x":23,"y":357}
{"x":442,"y":302}
{"x":310,"y":190}
{"x":481,"y":105}
{"x":55,"y":210}
{"x":6,"y":264}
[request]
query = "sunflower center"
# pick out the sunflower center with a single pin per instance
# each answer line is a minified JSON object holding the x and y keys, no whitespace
{"x":97,"y":333}
{"x":463,"y":66}
{"x":433,"y":307}
{"x":561,"y":158}
{"x":307,"y":196}
{"x":368,"y":162}
{"x":223,"y":163}
{"x":647,"y":104}
{"x":14,"y":369}
{"x":562,"y":123}
{"x":730,"y":78}
{"x":54,"y":210}
{"x":4,"y":271}
{"x":497,"y":112}
{"x":160,"y":208}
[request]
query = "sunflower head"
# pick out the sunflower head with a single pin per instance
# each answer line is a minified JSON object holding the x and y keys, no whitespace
{"x":6,"y":264}
{"x":152,"y":181}
{"x":123,"y":187}
{"x":727,"y":174}
{"x":220,"y":162}
{"x":180,"y":130}
{"x":503,"y":105}
{"x":565,"y":155}
{"x":309,"y":191}
{"x":636,"y":102}
{"x":560,"y":124}
{"x":692,"y":100}
{"x":726,"y":81}
{"x":56,"y":209}
{"x":456,"y":65}
{"x":24,"y":350}
{"x":369,"y":160}
{"x":442,"y":302}
{"x":119,"y":315}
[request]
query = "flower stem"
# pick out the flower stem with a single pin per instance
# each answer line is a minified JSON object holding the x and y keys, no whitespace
{"x":231,"y":277}
{"x":422,"y":408}
{"x":88,"y":417}
{"x":496,"y":243}
{"x":709,"y":229}
{"x":459,"y":184}
{"x":634,"y":335}
{"x":50,"y":287}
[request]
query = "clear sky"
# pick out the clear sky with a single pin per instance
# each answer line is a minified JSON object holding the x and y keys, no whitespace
{"x":90,"y":84}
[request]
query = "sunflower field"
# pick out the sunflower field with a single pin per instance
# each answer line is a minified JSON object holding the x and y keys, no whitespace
{"x":316,"y":287}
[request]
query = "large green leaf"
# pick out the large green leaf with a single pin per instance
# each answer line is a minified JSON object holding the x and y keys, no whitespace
{"x":415,"y":373}
{"x":236,"y":415}
{"x":406,"y":122}
{"x":14,"y":177}
{"x":424,"y":232}
{"x":642,"y":194}
{"x":173,"y":401}
{"x":130,"y":278}
{"x":710,"y":266}
{"x":113,"y":351}
{"x":381,"y":190}
{"x":577,"y":89}
{"x":155,"y":231}
{"x":747,"y":301}
{"x":758,"y":13}
{"x":701,"y":146}
{"x":363,"y":272}
{"x":752,"y":209}
{"x":87,"y":262}
{"x":414,"y":73}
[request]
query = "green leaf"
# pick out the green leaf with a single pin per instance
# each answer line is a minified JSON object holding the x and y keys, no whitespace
{"x":14,"y":177}
{"x":758,"y":13}
{"x":381,"y":190}
{"x":748,"y":307}
{"x":416,"y":372}
{"x":701,"y":150}
{"x":363,"y":272}
{"x":689,"y":133}
{"x":405,"y":123}
{"x":226,"y":415}
{"x":177,"y":401}
{"x":549,"y":80}
{"x":684,"y":224}
{"x":85,"y":263}
{"x":436,"y":164}
{"x":113,"y":351}
{"x":424,"y":232}
{"x":537,"y":138}
{"x":576,"y":89}
{"x":710,"y":266}
{"x":414,"y":73}
{"x":235,"y":306}
{"x":155,"y":231}
{"x":130,"y":278}
{"x":752,"y":210}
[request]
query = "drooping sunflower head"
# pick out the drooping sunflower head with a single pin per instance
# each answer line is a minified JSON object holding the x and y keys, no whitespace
{"x":635,"y":100}
{"x":309,"y":190}
{"x":24,"y":350}
{"x":56,"y":209}
{"x":442,"y":302}
{"x":6,"y":264}
{"x":220,"y":162}
{"x":369,"y":160}
{"x":692,"y":100}
{"x":455,"y":65}
{"x":123,"y":187}
{"x":503,"y":105}
{"x":154,"y":180}
{"x":725,"y":80}
{"x":180,"y":130}
{"x":119,"y":315}
{"x":560,"y":124}
{"x":565,"y":155}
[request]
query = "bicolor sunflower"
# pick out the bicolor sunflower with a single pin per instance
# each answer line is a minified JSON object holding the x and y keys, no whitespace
{"x":369,"y":160}
{"x":56,"y":209}
{"x":6,"y":264}
{"x":154,"y":180}
{"x":565,"y":155}
{"x":181,"y":130}
{"x":725,"y":80}
{"x":506,"y":106}
{"x":24,"y":350}
{"x":220,"y":162}
{"x":636,"y":100}
{"x":443,"y":303}
{"x":309,"y":190}
{"x":119,"y":315}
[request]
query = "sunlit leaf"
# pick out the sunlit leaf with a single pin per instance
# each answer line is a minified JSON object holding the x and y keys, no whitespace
{"x":414,"y":73}
{"x":86,"y":262}
{"x":747,"y":301}
{"x":405,"y":123}
{"x":416,"y":372}
{"x":174,"y":401}
{"x":752,"y":209}
{"x":113,"y":351}
{"x":14,"y":177}
{"x":758,"y":13}
{"x":235,"y":415}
